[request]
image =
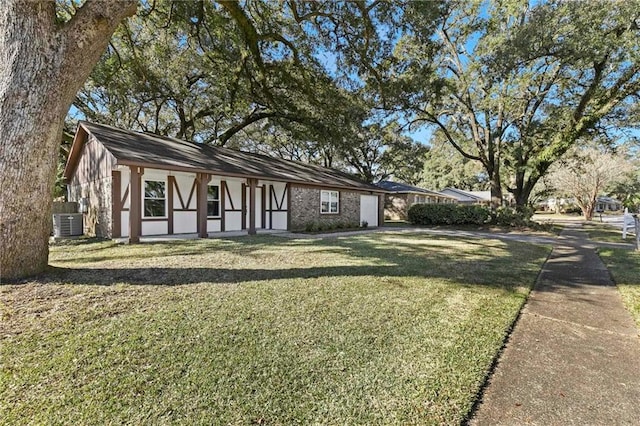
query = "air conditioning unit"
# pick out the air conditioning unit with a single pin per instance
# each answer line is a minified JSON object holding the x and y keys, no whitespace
{"x":67,"y":224}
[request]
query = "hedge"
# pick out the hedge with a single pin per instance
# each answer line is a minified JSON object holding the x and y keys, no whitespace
{"x":448,"y":214}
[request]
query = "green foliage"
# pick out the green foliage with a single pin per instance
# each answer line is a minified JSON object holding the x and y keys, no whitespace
{"x":257,"y":76}
{"x":627,"y":190}
{"x":448,"y":214}
{"x":511,"y":217}
{"x":325,"y":226}
{"x":513,"y":85}
{"x":445,"y":167}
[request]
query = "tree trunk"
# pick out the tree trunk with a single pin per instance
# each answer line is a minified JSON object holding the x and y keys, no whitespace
{"x":495,"y":186}
{"x":522,"y":192}
{"x":587,"y":211}
{"x":44,"y":64}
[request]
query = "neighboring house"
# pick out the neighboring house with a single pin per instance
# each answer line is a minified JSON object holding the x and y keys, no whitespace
{"x":135,"y":184}
{"x":604,"y":204}
{"x":563,"y":205}
{"x":469,"y":197}
{"x":400,"y":197}
{"x":560,"y":205}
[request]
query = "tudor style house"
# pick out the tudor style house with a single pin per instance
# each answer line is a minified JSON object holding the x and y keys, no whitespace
{"x":401,"y":196}
{"x":132,"y":184}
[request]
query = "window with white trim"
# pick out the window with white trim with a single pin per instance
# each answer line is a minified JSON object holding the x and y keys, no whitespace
{"x":155,"y":200}
{"x":213,"y":201}
{"x":329,"y":202}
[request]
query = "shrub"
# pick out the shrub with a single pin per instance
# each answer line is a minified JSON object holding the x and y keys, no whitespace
{"x":448,"y":214}
{"x":320,"y":226}
{"x":507,"y":216}
{"x":311,"y":226}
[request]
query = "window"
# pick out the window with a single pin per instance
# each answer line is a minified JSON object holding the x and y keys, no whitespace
{"x":329,"y":201}
{"x":213,"y":201}
{"x":420,"y":199}
{"x":154,"y":198}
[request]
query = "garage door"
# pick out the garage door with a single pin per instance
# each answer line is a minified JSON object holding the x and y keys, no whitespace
{"x":369,"y":209}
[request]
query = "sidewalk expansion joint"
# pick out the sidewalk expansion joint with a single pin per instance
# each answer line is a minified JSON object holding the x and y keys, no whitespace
{"x":588,"y":327}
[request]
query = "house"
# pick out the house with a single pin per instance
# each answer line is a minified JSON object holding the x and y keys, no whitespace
{"x":401,"y":196}
{"x":570,"y":205}
{"x":132,"y":184}
{"x":469,"y":197}
{"x":604,"y":204}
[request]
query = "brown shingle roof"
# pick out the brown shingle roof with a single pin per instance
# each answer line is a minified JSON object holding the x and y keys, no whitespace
{"x":153,"y":151}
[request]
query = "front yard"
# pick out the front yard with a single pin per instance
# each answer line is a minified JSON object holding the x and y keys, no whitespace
{"x":372,"y":329}
{"x":624,"y":265}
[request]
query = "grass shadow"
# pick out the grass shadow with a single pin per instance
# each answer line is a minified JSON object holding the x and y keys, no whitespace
{"x":464,"y":261}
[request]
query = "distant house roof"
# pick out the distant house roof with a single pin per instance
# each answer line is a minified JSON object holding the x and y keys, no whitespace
{"x":403,"y":188}
{"x":605,"y":199}
{"x":149,"y":150}
{"x":468,"y":196}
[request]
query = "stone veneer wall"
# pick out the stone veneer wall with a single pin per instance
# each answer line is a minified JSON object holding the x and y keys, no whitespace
{"x":305,"y":207}
{"x":97,"y":222}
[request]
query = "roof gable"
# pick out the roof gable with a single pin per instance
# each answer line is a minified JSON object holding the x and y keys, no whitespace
{"x":400,"y":187}
{"x":468,"y":195}
{"x":153,"y":151}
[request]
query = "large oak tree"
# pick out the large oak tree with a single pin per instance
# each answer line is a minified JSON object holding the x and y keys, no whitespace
{"x":45,"y":60}
{"x":515,"y":84}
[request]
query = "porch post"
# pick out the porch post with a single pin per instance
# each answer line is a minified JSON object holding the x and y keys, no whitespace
{"x":203,"y":181}
{"x":116,"y":198}
{"x":170,"y":184}
{"x":135,"y":201}
{"x":252,"y":206}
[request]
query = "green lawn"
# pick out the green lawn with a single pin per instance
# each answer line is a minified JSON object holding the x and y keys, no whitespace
{"x":369,"y":329}
{"x":605,"y":233}
{"x":624,"y":265}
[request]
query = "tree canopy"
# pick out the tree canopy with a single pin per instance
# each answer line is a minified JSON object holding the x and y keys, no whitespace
{"x":508,"y":85}
{"x":515,"y":84}
{"x":287,"y":78}
{"x":587,"y":172}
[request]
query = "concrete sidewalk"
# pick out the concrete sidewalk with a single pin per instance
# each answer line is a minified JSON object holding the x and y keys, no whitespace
{"x":574,"y":354}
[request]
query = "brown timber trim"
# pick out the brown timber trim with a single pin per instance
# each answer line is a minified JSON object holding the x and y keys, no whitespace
{"x":223,"y":190}
{"x":380,"y":209}
{"x":179,"y":194}
{"x":281,"y":199}
{"x":193,"y":191}
{"x":154,"y":219}
{"x":135,"y":201}
{"x":288,"y":190}
{"x":171,"y":181}
{"x":243,"y":225}
{"x":228,"y":193}
{"x":263,"y":206}
{"x":270,"y":206}
{"x":185,"y":207}
{"x":300,"y":183}
{"x":252,"y":206}
{"x":116,"y":215}
{"x":203,"y":181}
{"x":123,"y":201}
